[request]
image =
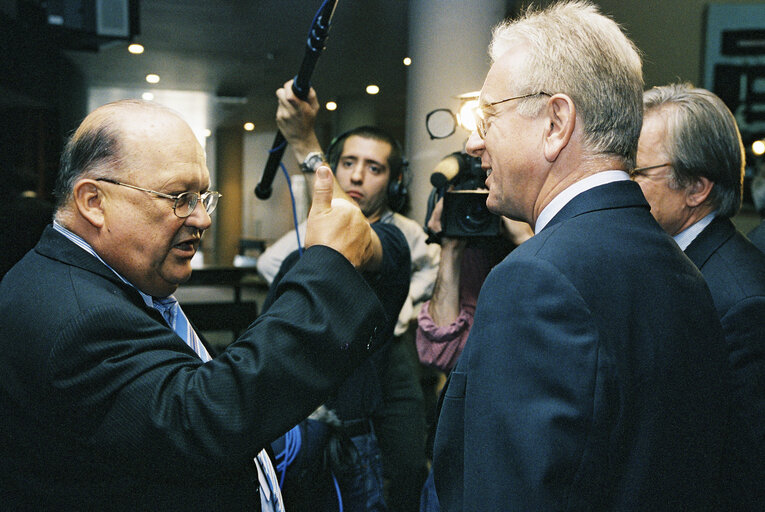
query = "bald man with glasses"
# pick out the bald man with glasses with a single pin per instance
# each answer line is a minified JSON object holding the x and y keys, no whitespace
{"x":110,"y":399}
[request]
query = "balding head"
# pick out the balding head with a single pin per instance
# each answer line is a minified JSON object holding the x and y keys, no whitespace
{"x":102,"y":143}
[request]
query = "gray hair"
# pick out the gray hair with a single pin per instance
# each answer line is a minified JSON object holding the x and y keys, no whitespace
{"x":575,"y":50}
{"x":703,"y":141}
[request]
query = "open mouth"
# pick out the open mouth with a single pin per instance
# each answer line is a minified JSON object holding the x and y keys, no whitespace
{"x":187,"y":246}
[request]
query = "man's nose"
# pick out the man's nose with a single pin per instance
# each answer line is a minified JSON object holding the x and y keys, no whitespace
{"x":357,"y":173}
{"x":475,"y":145}
{"x":199,"y":218}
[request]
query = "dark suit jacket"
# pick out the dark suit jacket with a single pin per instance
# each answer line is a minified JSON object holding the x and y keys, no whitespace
{"x":105,"y":408}
{"x":594,"y":377}
{"x":757,"y":236}
{"x":735,"y":272}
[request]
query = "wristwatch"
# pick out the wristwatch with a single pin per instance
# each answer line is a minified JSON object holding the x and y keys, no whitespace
{"x":312,"y":161}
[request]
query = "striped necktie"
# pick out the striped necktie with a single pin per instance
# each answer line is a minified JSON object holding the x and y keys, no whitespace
{"x":270,"y":494}
{"x":176,"y":319}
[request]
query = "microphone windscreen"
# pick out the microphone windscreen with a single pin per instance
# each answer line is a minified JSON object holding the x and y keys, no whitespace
{"x":446,"y":169}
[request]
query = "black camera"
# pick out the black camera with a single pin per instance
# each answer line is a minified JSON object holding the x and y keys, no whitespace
{"x":459,"y":179}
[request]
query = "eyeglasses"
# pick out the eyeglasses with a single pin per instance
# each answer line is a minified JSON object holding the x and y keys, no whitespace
{"x":183,"y":204}
{"x":480,"y":114}
{"x":640,"y":171}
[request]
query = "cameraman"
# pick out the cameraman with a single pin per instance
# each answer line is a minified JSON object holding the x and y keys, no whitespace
{"x":444,"y":321}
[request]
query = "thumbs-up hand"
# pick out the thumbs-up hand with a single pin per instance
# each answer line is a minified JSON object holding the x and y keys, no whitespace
{"x":338,"y":224}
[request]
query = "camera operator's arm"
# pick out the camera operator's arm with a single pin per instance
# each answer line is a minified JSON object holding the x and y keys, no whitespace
{"x":443,"y":323}
{"x":444,"y":305}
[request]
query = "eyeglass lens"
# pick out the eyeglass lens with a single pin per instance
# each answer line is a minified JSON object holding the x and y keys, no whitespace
{"x":187,"y":202}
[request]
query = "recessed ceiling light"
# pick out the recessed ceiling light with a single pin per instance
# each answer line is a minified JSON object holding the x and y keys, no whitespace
{"x":372,"y":89}
{"x":148,"y":96}
{"x":152,"y":78}
{"x":407,"y":61}
{"x":207,"y":132}
{"x":249,"y":126}
{"x":135,"y":49}
{"x":331,"y":105}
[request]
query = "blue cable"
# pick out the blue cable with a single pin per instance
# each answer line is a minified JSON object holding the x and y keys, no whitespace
{"x":292,"y":442}
{"x":294,"y":209}
{"x":292,"y":195}
{"x":339,"y":496}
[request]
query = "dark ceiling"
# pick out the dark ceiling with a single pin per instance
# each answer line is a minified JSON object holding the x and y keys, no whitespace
{"x":238,"y":49}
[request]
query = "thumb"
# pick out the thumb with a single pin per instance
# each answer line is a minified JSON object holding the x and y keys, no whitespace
{"x":322,"y":190}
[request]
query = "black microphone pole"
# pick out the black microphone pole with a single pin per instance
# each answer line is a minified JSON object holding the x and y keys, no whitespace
{"x":301,"y":85}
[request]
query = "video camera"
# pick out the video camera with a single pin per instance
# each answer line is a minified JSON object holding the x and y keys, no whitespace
{"x":459,"y":179}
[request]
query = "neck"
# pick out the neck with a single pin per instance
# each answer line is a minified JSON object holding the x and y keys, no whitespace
{"x":560,"y":177}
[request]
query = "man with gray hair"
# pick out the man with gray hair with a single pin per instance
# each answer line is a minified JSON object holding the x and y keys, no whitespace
{"x":595,"y":374}
{"x":691,"y":171}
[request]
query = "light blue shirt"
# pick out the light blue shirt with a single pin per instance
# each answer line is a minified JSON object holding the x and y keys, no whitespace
{"x":689,"y":234}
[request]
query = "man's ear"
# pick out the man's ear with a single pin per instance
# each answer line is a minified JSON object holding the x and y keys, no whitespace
{"x":698,"y":191}
{"x":89,"y":201}
{"x":561,"y":114}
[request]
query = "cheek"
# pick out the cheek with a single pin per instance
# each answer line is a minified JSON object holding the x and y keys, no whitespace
{"x":343,"y":178}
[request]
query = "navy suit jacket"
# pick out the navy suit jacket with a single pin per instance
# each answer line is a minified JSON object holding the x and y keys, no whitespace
{"x":735,"y":272}
{"x":757,"y":236}
{"x":105,"y":408}
{"x":594,"y":377}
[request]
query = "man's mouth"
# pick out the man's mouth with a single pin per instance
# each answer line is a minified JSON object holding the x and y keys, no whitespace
{"x":355,"y":195}
{"x":189,"y":245}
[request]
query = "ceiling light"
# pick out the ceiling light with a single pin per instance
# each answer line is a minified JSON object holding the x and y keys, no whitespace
{"x":407,"y":61}
{"x":331,"y":105}
{"x":135,"y":49}
{"x":372,"y":89}
{"x":207,"y":132}
{"x":249,"y":126}
{"x":152,"y":78}
{"x":758,"y":147}
{"x":148,"y":96}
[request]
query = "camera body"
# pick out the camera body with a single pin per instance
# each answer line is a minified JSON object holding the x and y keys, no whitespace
{"x":459,"y":179}
{"x":465,"y":215}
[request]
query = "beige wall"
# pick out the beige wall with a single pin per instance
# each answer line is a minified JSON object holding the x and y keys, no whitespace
{"x":670,"y":33}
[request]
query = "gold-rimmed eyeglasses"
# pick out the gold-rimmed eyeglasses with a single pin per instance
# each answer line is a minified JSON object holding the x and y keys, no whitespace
{"x":640,"y":171}
{"x":183,"y":204}
{"x":480,"y":112}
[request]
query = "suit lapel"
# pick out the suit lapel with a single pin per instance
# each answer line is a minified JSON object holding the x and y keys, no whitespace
{"x":710,"y":240}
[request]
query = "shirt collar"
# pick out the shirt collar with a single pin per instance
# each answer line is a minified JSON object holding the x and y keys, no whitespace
{"x":689,"y":234}
{"x":562,"y":199}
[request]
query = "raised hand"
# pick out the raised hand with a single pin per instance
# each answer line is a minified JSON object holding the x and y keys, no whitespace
{"x":339,"y":224}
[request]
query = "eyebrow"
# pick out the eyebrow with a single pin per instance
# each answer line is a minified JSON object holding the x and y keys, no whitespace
{"x":366,"y":160}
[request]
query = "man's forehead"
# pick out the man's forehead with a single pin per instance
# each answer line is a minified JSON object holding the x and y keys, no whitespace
{"x":366,"y":147}
{"x":502,"y":75}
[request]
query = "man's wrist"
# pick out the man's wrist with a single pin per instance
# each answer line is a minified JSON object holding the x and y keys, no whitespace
{"x":312,"y":161}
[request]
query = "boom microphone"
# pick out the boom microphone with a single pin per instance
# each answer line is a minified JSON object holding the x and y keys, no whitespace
{"x":301,"y":86}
